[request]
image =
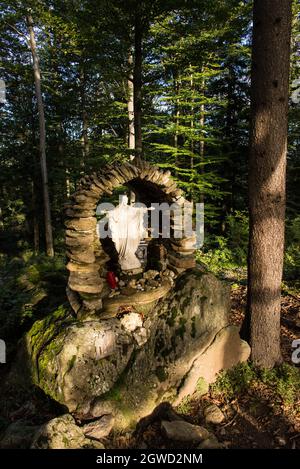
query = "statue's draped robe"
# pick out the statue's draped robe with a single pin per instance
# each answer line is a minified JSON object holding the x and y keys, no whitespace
{"x":126,"y":224}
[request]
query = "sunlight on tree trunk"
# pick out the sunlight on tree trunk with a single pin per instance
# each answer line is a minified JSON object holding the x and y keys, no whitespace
{"x":40,"y":104}
{"x":137,"y":81}
{"x":267,"y":174}
{"x":130,"y":107}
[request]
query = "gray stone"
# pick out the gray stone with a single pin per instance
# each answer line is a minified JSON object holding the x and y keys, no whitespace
{"x":99,"y":428}
{"x":131,"y":321}
{"x":153,"y":283}
{"x":150,"y":274}
{"x":82,"y":224}
{"x":225,"y":351}
{"x":87,"y":256}
{"x":183,"y":431}
{"x":213,"y":414}
{"x":62,"y":433}
{"x":210,"y":443}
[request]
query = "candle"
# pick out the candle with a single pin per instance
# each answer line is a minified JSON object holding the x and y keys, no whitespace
{"x":111,"y":279}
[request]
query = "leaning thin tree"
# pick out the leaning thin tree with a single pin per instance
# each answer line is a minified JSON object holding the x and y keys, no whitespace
{"x":42,"y":130}
{"x":267,"y":176}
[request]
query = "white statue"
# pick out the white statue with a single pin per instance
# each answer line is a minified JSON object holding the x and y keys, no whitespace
{"x":126,"y":224}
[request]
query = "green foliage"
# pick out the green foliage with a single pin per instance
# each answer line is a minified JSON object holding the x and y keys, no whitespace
{"x":234,"y":381}
{"x":292,"y":252}
{"x":222,"y":253}
{"x":185,"y":406}
{"x":283,"y":381}
{"x":31,"y":287}
{"x":201,"y":386}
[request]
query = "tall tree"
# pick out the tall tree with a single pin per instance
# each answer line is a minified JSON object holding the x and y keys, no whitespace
{"x":42,"y":129}
{"x":130,"y":107}
{"x":137,"y":79}
{"x":267,"y":175}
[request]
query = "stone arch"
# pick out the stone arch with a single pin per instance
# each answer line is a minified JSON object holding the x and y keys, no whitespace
{"x":84,"y":250}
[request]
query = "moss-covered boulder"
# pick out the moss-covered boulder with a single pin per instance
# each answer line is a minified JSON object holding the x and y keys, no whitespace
{"x":63,"y":433}
{"x":127,"y":365}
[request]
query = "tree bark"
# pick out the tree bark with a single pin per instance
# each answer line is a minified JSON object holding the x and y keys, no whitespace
{"x":267,"y":175}
{"x":202,"y":143}
{"x":137,"y":81}
{"x":84,"y":135}
{"x":130,"y":107}
{"x":42,"y":129}
{"x":176,"y":80}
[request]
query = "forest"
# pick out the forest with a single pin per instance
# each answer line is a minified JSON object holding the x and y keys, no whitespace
{"x":208,"y":92}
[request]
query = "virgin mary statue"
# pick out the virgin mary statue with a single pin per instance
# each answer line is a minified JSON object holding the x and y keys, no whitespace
{"x":126,"y":224}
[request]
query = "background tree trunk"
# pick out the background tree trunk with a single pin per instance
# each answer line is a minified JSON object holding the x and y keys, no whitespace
{"x":130,"y":107}
{"x":40,"y":104}
{"x":84,"y":134}
{"x":137,"y":81}
{"x":267,"y":169}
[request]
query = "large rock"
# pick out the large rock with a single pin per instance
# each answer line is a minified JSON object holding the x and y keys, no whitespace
{"x":184,"y":431}
{"x":100,"y":428}
{"x":126,"y":365}
{"x":62,"y":433}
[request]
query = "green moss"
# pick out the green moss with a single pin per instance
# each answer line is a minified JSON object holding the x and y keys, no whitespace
{"x":113,"y":395}
{"x":44,"y":342}
{"x":71,"y":363}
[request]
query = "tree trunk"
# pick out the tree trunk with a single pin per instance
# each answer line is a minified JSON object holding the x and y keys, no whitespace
{"x":177,"y":117}
{"x":130,"y":107}
{"x":267,"y":168}
{"x":84,"y":135}
{"x":40,"y":104}
{"x":192,"y":124}
{"x":202,"y":143}
{"x":35,"y":187}
{"x":137,"y":81}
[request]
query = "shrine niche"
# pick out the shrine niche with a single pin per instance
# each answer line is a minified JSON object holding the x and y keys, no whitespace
{"x":107,"y":275}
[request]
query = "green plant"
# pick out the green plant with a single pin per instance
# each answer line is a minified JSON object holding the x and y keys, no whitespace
{"x":284,"y":380}
{"x":32,"y":286}
{"x":234,"y":381}
{"x":222,"y":253}
{"x":185,"y":406}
